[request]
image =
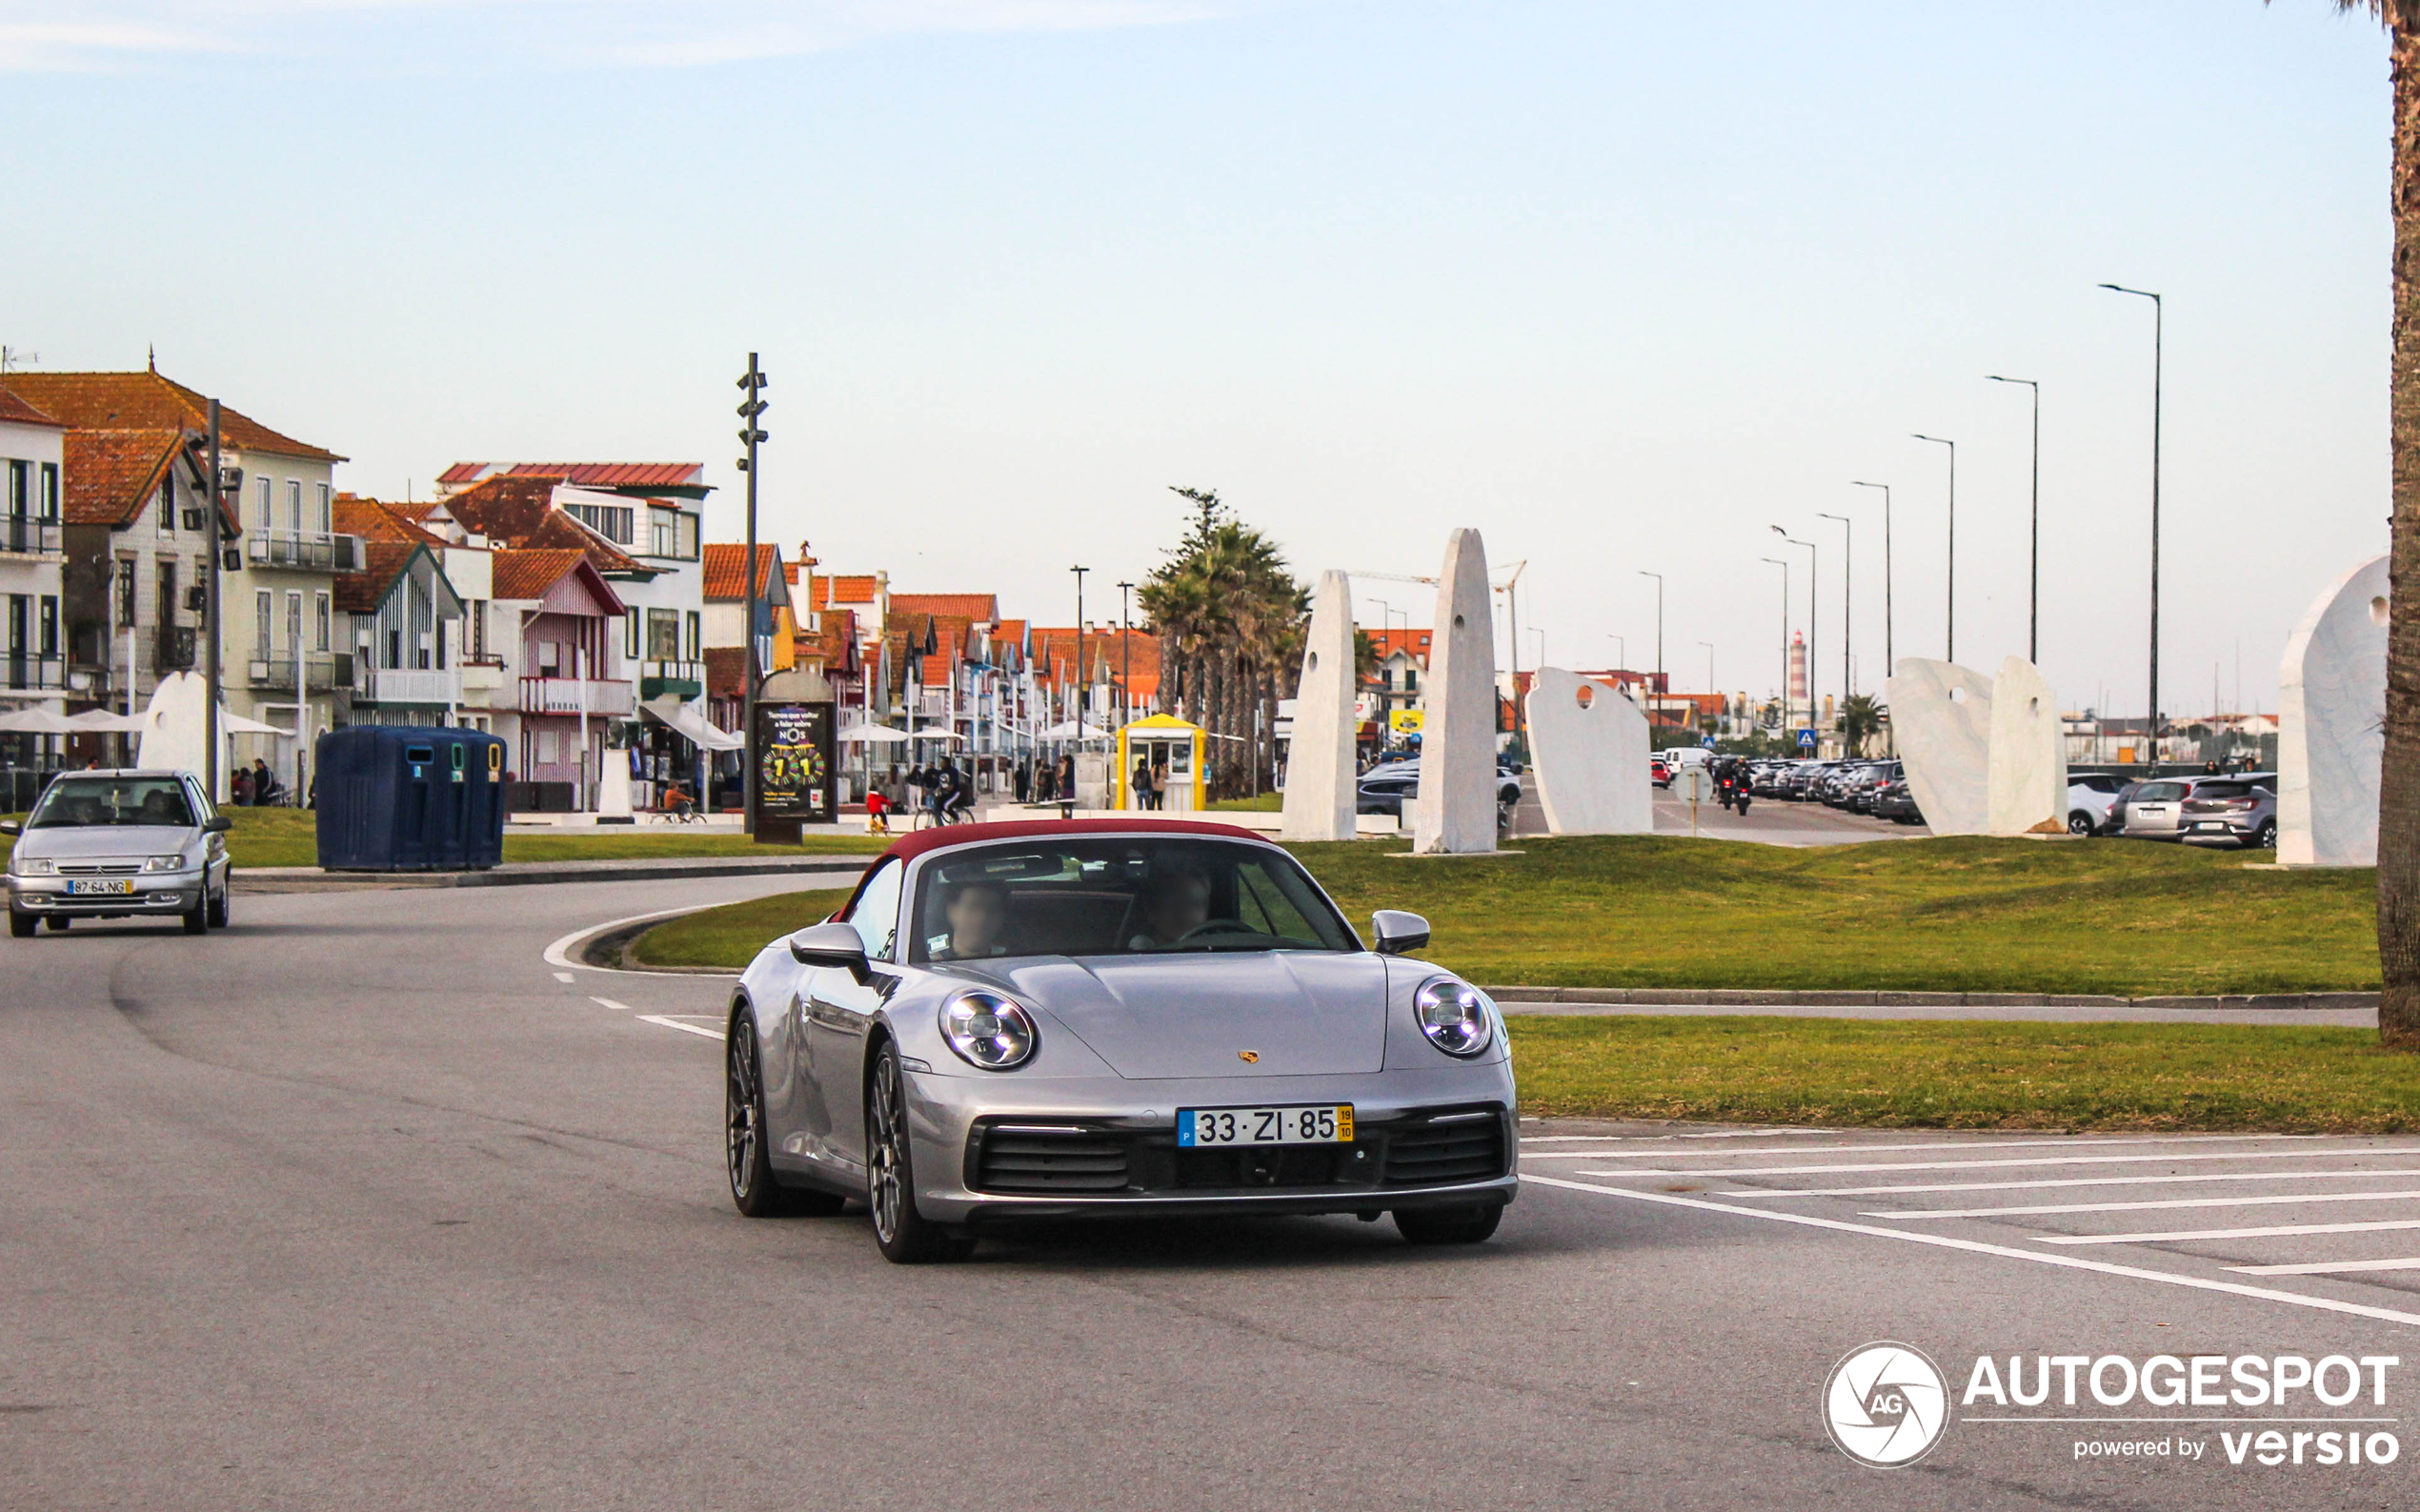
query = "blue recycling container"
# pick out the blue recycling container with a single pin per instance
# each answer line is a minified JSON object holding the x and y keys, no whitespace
{"x":410,"y":799}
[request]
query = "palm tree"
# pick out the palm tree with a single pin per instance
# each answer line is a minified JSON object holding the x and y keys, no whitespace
{"x":1230,"y":617}
{"x":1860,"y":719}
{"x":2399,"y":773}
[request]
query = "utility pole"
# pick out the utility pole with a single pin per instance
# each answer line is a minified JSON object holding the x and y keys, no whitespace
{"x":2158,"y":337}
{"x":1847,"y":580}
{"x":210,"y":612}
{"x":1659,"y":642}
{"x":2033,"y":572}
{"x":1126,"y":650}
{"x":1785,"y":637}
{"x":751,"y":409}
{"x":1083,"y":673}
{"x":1814,"y":565}
{"x":1890,"y":662}
{"x":1951,"y":638}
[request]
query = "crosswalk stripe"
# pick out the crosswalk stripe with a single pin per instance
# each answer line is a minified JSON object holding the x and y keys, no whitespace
{"x":2330,"y":1267}
{"x":2291,"y":1199}
{"x":2278,"y":1231}
{"x":2063,"y":1181}
{"x":1967,"y":1165}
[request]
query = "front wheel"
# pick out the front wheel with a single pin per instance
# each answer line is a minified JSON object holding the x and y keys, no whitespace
{"x":905,"y":1236}
{"x":218,"y":907}
{"x":197,"y":916}
{"x":20,"y":925}
{"x":2079,"y":824}
{"x":1449,"y":1225}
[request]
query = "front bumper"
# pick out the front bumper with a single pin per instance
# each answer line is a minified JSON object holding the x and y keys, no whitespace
{"x":1448,"y":1145}
{"x":153,"y":893}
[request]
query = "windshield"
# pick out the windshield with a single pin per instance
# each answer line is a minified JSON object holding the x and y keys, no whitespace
{"x":77,"y":802}
{"x":1116,"y":896}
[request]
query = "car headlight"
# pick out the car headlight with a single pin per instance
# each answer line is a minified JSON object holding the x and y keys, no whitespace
{"x":33,"y":866}
{"x":163,"y":863}
{"x":988,"y":1030}
{"x":1454,"y":1017}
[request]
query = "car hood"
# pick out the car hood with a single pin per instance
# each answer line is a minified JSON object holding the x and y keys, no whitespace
{"x":82,"y":841}
{"x":1300,"y":1013}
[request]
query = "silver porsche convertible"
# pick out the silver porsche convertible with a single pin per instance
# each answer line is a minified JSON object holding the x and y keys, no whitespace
{"x":1043,"y":1021}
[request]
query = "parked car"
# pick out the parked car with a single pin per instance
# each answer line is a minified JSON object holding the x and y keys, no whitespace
{"x":1659,"y":772}
{"x":2091,"y":798}
{"x":2239,"y":812}
{"x":114,"y":844}
{"x":1010,"y":1022}
{"x":1385,"y":794}
{"x":1407,"y":772}
{"x":2156,"y":809}
{"x":1893,"y":801}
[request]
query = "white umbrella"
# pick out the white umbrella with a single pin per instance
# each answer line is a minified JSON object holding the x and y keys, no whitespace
{"x":1070,"y":730}
{"x":236,"y":724}
{"x":38,"y":719}
{"x":871,"y":734}
{"x":102,"y":721}
{"x":936,"y":734}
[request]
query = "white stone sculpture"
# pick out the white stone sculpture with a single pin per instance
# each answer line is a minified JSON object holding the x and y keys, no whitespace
{"x":1318,"y":763}
{"x":2331,"y":712}
{"x":1457,"y":803}
{"x":1590,"y":749}
{"x":613,"y":787}
{"x":2026,"y":774}
{"x":173,"y":734}
{"x":1941,"y":715}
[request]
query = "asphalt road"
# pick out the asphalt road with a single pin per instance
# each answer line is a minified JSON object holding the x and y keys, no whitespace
{"x":365,"y":1205}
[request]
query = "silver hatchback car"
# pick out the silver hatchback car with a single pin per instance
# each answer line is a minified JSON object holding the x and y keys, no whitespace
{"x":114,"y":844}
{"x":1110,"y":1017}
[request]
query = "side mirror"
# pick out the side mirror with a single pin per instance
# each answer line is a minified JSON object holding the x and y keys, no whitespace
{"x":11,"y":827}
{"x":1398,"y":934}
{"x":831,"y":945}
{"x":220,"y":824}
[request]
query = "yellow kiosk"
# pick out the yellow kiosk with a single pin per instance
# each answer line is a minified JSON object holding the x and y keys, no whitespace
{"x":1173,"y":749}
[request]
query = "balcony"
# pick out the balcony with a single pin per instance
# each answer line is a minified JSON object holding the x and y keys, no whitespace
{"x":22,"y":535}
{"x":326,"y":672}
{"x":305,"y":551}
{"x":481,"y":676}
{"x":431,"y":686}
{"x":681,"y":679}
{"x":576,"y":696}
{"x":24,"y":672}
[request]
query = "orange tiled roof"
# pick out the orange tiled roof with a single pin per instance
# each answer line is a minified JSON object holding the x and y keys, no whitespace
{"x":528,"y":574}
{"x":382,"y":562}
{"x":17,"y":412}
{"x":517,"y":511}
{"x":120,"y":401}
{"x":108,"y":475}
{"x":722,"y":564}
{"x":375,"y":521}
{"x":982,"y":607}
{"x":726,"y":669}
{"x":845,"y":590}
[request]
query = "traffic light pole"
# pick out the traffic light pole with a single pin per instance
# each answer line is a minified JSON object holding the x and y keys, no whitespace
{"x":751,"y":409}
{"x":210,"y":617}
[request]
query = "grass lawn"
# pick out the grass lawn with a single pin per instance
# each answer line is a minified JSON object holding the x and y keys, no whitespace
{"x":1929,"y":1075}
{"x":732,"y":934}
{"x":290,"y":837}
{"x":1263,"y":803}
{"x":1951,"y":915}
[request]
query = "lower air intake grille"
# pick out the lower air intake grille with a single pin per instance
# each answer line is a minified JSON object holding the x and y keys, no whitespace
{"x":1052,"y":1162}
{"x":1447,"y":1151}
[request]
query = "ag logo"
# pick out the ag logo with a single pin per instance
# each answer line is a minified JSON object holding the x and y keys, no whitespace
{"x":1885,"y":1404}
{"x":1249,"y":1058}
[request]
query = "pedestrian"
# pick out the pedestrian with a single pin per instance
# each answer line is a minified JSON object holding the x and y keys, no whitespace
{"x":1159,"y":785}
{"x":877,"y":811}
{"x":1024,"y":779}
{"x":239,"y":789}
{"x":1067,"y":778}
{"x":264,"y":783}
{"x":1045,"y":779}
{"x":1143,"y":784}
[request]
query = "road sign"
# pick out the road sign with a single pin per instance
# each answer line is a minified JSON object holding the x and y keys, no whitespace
{"x":1806,"y":739}
{"x":1707,"y":742}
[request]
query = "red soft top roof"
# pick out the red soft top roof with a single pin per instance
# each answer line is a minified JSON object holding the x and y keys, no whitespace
{"x":909,"y":846}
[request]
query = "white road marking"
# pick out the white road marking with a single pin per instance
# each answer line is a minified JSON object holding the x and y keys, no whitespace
{"x":1725,"y":1134}
{"x":674,"y":1023}
{"x":608,"y":1002}
{"x":2330,"y":1267}
{"x":565,"y":976}
{"x":558,"y":953}
{"x":2005,"y":1252}
{"x":2278,"y":1231}
{"x":2290,"y":1198}
{"x":2072,"y":1180}
{"x":1963,"y":1166}
{"x":2062,"y":1143}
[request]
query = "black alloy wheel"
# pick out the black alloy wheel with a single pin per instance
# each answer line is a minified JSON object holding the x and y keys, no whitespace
{"x":1449,"y":1225}
{"x":2266,"y":837}
{"x":2079,"y":824}
{"x":905,"y":1236}
{"x":754,"y":1190}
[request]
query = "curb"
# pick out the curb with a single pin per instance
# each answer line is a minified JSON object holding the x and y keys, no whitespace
{"x":537,"y":873}
{"x":1753,"y":997}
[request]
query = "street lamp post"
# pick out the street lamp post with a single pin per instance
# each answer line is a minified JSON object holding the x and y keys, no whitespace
{"x":1813,"y":565}
{"x":2033,"y":571}
{"x":1659,"y":641}
{"x":2158,"y":337}
{"x":1847,"y":578}
{"x":1084,"y":673}
{"x":1891,"y":667}
{"x":1950,"y":634}
{"x":751,"y":433}
{"x":1785,"y":635}
{"x":1709,"y":664}
{"x":1126,"y":644}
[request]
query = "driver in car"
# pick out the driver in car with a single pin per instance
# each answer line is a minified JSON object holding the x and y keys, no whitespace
{"x":1174,"y":905}
{"x":977,"y":911}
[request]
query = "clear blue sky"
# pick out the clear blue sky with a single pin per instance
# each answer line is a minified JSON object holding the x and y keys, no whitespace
{"x":1620,"y":284}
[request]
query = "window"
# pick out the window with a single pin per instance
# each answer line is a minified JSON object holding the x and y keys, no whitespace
{"x":324,"y":621}
{"x":50,"y":642}
{"x":326,"y":522}
{"x":164,"y":509}
{"x":549,"y":658}
{"x":687,"y":539}
{"x":125,"y":594}
{"x":476,"y":611}
{"x":395,"y":647}
{"x":550,"y":747}
{"x":613,"y":521}
{"x":20,"y":488}
{"x":267,"y":493}
{"x":694,"y":636}
{"x":50,"y":509}
{"x":876,"y":914}
{"x":294,"y":624}
{"x":663,"y":531}
{"x":264,"y":621}
{"x":294,"y":505}
{"x":20,"y":623}
{"x":629,"y":636}
{"x":663,"y":635}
